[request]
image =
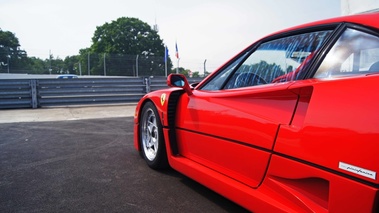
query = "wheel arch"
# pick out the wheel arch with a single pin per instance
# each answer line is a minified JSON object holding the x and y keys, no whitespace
{"x":166,"y":102}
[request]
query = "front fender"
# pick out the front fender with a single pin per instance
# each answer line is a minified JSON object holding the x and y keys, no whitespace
{"x":160,"y":99}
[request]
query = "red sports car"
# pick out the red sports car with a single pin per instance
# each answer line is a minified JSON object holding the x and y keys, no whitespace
{"x":290,"y":124}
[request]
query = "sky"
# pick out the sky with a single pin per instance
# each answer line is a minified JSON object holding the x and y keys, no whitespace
{"x":211,"y":30}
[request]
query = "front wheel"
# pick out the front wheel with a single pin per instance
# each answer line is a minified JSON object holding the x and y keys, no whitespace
{"x":151,"y":138}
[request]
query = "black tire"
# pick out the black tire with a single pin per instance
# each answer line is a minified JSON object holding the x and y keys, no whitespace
{"x":153,"y":148}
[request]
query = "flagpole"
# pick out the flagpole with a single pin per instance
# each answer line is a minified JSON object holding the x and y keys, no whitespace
{"x":177,"y":57}
{"x":165,"y":68}
{"x":177,"y":66}
{"x":165,"y":60}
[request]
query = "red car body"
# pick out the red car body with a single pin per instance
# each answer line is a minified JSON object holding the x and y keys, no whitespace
{"x":308,"y":144}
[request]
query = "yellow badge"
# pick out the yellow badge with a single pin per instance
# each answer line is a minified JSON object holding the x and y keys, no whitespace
{"x":163,"y":98}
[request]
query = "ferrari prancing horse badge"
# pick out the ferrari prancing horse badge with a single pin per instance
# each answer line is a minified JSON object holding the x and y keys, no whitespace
{"x":163,"y":98}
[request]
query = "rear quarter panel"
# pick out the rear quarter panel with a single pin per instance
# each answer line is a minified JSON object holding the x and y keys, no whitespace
{"x":338,"y":124}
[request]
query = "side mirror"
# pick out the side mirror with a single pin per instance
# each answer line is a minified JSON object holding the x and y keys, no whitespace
{"x":179,"y":80}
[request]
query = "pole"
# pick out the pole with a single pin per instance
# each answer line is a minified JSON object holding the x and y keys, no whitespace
{"x":165,"y":68}
{"x":105,"y":69}
{"x":177,"y":66}
{"x":177,"y":56}
{"x":204,"y":66}
{"x":50,"y":62}
{"x":165,"y":60}
{"x":8,"y":56}
{"x":137,"y":66}
{"x":89,"y":68}
{"x":80,"y":68}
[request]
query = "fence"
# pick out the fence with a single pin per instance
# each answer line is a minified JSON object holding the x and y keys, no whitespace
{"x":35,"y":93}
{"x":100,"y":64}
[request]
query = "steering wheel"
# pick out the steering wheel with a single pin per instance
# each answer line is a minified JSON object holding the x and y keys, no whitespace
{"x":248,"y":79}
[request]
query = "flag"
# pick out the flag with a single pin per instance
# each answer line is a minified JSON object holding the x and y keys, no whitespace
{"x":165,"y":54}
{"x":177,"y":52}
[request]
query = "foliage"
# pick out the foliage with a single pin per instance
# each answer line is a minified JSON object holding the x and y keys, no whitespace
{"x":11,"y":56}
{"x":195,"y":74}
{"x":127,"y":36}
{"x":72,"y":65}
{"x":125,"y":47}
{"x":34,"y":65}
{"x":186,"y":72}
{"x":123,"y":38}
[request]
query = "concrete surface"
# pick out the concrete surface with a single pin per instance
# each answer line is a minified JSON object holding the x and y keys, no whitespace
{"x":82,"y":159}
{"x":66,"y":113}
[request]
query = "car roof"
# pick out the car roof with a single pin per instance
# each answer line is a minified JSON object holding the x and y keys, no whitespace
{"x":68,"y":75}
{"x":366,"y":19}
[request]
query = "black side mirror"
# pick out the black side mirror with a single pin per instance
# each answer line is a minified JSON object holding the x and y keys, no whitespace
{"x":179,"y":80}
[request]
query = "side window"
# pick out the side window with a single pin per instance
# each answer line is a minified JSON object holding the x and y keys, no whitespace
{"x":278,"y":60}
{"x":219,"y":80}
{"x":354,"y":53}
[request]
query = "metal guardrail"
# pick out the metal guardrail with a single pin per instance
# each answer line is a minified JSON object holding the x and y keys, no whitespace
{"x":16,"y":93}
{"x":35,"y":93}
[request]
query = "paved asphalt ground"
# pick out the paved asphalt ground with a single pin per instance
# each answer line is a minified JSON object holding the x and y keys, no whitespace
{"x":82,"y":159}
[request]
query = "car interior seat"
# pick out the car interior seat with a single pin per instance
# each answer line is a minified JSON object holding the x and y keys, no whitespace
{"x":374,"y":67}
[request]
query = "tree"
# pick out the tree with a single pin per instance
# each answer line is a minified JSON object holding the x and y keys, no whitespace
{"x":122,"y":40}
{"x":36,"y":66}
{"x":11,"y":56}
{"x":195,"y":74}
{"x":127,"y":36}
{"x":72,"y":65}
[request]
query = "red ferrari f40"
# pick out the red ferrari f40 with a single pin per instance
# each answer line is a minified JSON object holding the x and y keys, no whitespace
{"x":290,"y":124}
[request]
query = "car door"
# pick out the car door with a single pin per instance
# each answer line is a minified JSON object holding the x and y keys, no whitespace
{"x":229,"y":124}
